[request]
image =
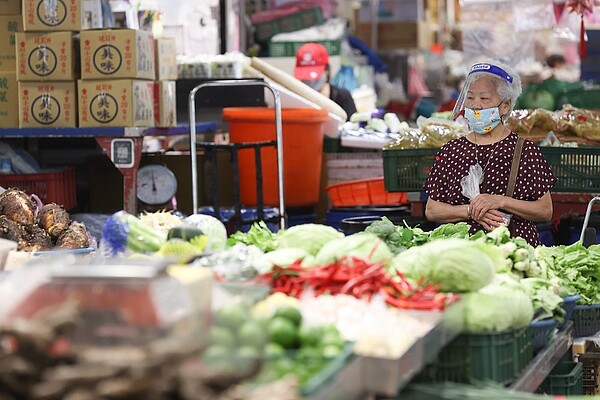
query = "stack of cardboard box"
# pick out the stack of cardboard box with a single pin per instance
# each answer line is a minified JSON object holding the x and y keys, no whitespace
{"x":62,"y":70}
{"x":127,"y":79}
{"x":48,"y":61}
{"x":10,"y":23}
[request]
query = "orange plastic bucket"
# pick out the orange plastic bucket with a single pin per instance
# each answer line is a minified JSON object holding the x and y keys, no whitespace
{"x":302,"y":153}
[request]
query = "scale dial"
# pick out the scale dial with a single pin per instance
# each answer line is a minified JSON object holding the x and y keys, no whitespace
{"x":156,"y":184}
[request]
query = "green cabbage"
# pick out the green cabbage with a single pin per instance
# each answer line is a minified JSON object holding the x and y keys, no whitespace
{"x":211,"y":227}
{"x":486,"y":313}
{"x":514,"y":299}
{"x":281,"y":258}
{"x":360,"y":244}
{"x":456,"y":265}
{"x":310,"y":237}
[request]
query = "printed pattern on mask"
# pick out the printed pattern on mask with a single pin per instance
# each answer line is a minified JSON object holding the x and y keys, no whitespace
{"x":534,"y":179}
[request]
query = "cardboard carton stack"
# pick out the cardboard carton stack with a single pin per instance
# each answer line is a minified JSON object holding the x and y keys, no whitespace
{"x":165,"y":114}
{"x":47,"y":60}
{"x":11,"y":21}
{"x":127,"y":79}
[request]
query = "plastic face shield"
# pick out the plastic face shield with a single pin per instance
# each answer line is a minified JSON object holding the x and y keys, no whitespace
{"x":475,"y":73}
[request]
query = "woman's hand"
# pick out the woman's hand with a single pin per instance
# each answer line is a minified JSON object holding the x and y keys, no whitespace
{"x":483,"y":203}
{"x":491,"y":220}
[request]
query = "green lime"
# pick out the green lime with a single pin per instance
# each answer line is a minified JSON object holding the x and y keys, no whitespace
{"x":331,"y":339}
{"x":283,"y":332}
{"x":232,"y":316}
{"x":284,"y":367}
{"x":274,"y":351}
{"x":216,"y":353}
{"x":247,"y":353}
{"x":222,"y":336}
{"x":330,"y":351}
{"x":290,"y":313}
{"x":310,"y":336}
{"x":253,"y":334}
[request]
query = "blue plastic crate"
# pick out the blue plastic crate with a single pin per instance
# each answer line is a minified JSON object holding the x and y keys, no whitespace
{"x":568,"y":305}
{"x":542,"y":333}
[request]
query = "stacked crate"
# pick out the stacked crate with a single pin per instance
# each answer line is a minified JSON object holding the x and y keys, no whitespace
{"x":48,"y":62}
{"x":11,"y":21}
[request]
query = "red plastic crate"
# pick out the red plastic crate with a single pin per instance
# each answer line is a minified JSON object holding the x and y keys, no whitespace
{"x":56,"y":186}
{"x":364,"y":192}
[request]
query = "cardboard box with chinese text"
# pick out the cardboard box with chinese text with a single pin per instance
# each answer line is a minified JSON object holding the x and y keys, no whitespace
{"x":117,"y":54}
{"x":10,"y":7}
{"x":61,"y":15}
{"x":46,"y":56}
{"x":165,"y":107}
{"x":121,"y":102}
{"x":9,"y":100}
{"x":9,"y":26}
{"x":166,"y":59}
{"x":47,"y":104}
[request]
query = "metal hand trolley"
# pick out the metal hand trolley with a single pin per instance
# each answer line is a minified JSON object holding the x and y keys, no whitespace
{"x":588,"y":235}
{"x":233,"y":149}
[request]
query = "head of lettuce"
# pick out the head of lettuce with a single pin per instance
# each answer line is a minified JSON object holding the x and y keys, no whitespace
{"x":456,"y":265}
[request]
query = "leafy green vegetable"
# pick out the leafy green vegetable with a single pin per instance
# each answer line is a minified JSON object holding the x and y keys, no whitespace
{"x":446,"y":231}
{"x":213,"y":228}
{"x":456,"y":265}
{"x":360,"y":244}
{"x":496,"y":309}
{"x":124,"y":231}
{"x":310,"y":237}
{"x":258,"y":235}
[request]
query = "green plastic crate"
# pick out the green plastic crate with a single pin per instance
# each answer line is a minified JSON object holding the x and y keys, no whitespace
{"x":566,"y":378}
{"x":577,"y":169}
{"x":586,"y":320}
{"x":289,"y":49}
{"x":405,"y":170}
{"x":470,"y":358}
{"x":289,"y":23}
{"x":523,"y":348}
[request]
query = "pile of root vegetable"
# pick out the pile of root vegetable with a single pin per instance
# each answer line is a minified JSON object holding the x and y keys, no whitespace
{"x":37,"y":227}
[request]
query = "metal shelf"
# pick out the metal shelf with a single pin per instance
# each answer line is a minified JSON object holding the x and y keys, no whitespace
{"x":542,"y":364}
{"x":52,"y":132}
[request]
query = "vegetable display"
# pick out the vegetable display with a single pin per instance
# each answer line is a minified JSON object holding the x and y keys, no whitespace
{"x":455,"y":265}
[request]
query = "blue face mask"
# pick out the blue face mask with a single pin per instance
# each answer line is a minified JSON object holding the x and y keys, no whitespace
{"x":483,"y":121}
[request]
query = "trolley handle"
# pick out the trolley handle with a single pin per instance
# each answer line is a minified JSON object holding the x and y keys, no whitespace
{"x":588,"y":212}
{"x":278,"y":130}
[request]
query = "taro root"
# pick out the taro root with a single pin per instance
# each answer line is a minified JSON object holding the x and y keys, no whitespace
{"x":17,"y":206}
{"x":53,"y":219}
{"x":75,"y":237}
{"x":36,"y":239}
{"x":10,"y":230}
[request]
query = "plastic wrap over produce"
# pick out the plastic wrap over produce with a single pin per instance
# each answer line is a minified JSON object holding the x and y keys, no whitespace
{"x":570,"y":124}
{"x":430,"y":133}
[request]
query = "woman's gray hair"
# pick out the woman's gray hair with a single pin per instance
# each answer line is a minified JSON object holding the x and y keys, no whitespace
{"x":505,"y":89}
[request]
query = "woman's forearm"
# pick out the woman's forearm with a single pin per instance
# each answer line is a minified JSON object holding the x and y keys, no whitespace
{"x":539,"y":210}
{"x":445,"y":213}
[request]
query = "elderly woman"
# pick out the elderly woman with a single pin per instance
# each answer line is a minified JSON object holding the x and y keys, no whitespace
{"x":470,"y":179}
